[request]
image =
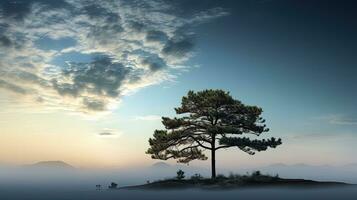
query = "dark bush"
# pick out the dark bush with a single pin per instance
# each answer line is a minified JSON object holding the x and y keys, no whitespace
{"x":113,"y":185}
{"x":196,"y":177}
{"x":256,"y":173}
{"x":180,"y":175}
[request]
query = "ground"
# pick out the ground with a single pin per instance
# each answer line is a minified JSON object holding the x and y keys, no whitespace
{"x":234,"y":182}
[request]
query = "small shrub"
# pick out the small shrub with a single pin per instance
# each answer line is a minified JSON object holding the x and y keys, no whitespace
{"x":180,"y":175}
{"x":221,"y":176}
{"x":196,"y":177}
{"x":234,"y":176}
{"x":113,"y":185}
{"x":231,"y":176}
{"x":256,"y":173}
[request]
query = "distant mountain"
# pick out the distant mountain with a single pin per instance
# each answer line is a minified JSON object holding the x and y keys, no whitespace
{"x":51,"y":165}
{"x":302,"y":165}
{"x":277,"y":165}
{"x":161,"y":165}
{"x":351,"y":165}
{"x":299,"y":166}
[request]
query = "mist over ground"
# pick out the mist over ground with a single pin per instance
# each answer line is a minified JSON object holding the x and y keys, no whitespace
{"x":56,"y":174}
{"x":58,"y":180}
{"x":345,"y":193}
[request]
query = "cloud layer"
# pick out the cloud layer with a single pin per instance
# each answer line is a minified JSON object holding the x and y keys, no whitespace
{"x":84,"y":55}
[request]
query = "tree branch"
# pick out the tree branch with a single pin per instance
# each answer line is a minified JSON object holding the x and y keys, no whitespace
{"x":201,"y":145}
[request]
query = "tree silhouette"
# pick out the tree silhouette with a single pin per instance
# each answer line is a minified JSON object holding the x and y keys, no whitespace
{"x":113,"y":185}
{"x":180,"y":175}
{"x":211,"y":120}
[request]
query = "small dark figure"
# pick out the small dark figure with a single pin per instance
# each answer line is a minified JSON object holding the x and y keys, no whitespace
{"x":113,"y":185}
{"x":98,"y":187}
{"x":147,"y":182}
{"x":180,"y":175}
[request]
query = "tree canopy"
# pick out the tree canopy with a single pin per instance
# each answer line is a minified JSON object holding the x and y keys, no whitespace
{"x":210,"y":120}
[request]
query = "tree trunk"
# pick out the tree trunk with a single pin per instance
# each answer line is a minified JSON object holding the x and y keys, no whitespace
{"x":213,"y":163}
{"x":213,"y":156}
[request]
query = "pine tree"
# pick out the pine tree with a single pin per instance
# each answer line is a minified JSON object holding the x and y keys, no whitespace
{"x":210,"y":120}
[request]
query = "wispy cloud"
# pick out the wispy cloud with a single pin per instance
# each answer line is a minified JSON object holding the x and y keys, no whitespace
{"x":343,"y":121}
{"x":108,"y":133}
{"x":325,"y":135}
{"x":338,"y":119}
{"x":105,"y":133}
{"x":148,"y":118}
{"x":130,"y":45}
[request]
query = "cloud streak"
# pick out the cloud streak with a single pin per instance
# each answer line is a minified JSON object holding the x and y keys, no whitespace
{"x":108,"y":133}
{"x":343,"y":121}
{"x":148,"y":118}
{"x":127,"y":45}
{"x":339,"y":120}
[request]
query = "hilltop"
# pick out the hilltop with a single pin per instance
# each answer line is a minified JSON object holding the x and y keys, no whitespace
{"x":234,"y":182}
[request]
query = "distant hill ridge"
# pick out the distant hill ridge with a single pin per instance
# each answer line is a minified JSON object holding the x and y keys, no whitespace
{"x":51,"y":164}
{"x":160,"y":165}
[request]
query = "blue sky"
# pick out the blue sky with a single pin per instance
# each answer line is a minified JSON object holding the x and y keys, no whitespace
{"x":296,"y":78}
{"x":116,"y":67}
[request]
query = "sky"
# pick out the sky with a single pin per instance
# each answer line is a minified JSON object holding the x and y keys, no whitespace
{"x":87,"y":82}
